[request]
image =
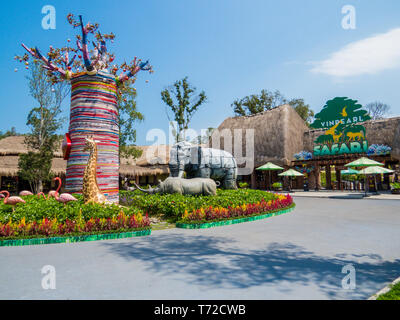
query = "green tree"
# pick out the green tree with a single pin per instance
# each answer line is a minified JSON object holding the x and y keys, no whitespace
{"x":268,"y":100}
{"x":9,"y":133}
{"x":128,"y":117}
{"x":183,"y":106}
{"x":203,"y":139}
{"x":255,"y":103}
{"x":44,"y":121}
{"x":303,"y":110}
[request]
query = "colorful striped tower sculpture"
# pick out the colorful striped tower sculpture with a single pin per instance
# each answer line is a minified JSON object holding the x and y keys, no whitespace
{"x":94,"y":112}
{"x":94,"y":108}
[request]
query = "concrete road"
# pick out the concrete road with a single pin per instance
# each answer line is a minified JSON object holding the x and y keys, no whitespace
{"x":299,"y":255}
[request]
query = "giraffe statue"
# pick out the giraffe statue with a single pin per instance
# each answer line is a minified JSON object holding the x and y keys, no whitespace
{"x":90,"y":189}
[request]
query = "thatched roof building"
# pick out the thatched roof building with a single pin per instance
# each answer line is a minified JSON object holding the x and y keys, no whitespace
{"x":150,"y":165}
{"x":153,"y":161}
{"x":278,"y":134}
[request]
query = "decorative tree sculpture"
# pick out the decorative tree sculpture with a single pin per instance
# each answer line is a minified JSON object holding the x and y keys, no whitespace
{"x":94,"y":110}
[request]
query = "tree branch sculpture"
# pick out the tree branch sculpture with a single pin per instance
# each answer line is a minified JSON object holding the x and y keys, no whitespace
{"x":94,"y":108}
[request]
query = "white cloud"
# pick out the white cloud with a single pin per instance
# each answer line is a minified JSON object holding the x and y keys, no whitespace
{"x":367,"y":56}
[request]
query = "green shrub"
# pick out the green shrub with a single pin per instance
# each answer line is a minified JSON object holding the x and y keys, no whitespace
{"x":174,"y":205}
{"x":395,"y":185}
{"x":243,"y":185}
{"x":277,"y":185}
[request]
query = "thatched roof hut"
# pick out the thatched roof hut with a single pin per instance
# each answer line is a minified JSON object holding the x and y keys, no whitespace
{"x":15,"y":146}
{"x":153,"y":161}
{"x":278,"y":134}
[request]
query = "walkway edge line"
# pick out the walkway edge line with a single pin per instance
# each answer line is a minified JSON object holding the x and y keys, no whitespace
{"x":89,"y":237}
{"x":384,"y":290}
{"x":233,"y":221}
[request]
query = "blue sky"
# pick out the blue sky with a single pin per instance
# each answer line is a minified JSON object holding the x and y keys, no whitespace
{"x":229,"y":48}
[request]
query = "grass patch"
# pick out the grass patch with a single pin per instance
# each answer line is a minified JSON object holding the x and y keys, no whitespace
{"x":393,"y":294}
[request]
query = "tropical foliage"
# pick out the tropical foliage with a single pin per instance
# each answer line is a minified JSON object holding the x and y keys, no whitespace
{"x":395,"y":185}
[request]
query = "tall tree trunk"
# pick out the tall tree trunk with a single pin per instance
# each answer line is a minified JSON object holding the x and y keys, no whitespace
{"x":39,"y":186}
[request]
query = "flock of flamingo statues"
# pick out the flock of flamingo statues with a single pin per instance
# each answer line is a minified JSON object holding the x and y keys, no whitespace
{"x":14,"y":200}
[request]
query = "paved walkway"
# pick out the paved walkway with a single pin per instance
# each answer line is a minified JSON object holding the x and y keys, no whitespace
{"x":299,"y":255}
{"x":345,"y":195}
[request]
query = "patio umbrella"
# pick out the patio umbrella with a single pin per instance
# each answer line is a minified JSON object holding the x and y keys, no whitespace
{"x":375,"y":170}
{"x":364,"y":162}
{"x":269,"y":166}
{"x":291,"y":173}
{"x":348,"y":172}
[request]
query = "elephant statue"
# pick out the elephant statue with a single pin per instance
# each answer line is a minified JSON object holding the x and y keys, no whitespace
{"x":200,"y":162}
{"x":195,"y":186}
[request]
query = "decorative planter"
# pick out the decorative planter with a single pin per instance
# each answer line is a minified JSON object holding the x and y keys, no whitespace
{"x":395,"y":191}
{"x":89,"y":237}
{"x":231,"y":221}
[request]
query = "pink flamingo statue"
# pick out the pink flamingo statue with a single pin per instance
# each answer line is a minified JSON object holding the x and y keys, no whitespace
{"x":41,"y":194}
{"x":25,"y":193}
{"x":52,"y":193}
{"x":64,"y":197}
{"x":12,"y":201}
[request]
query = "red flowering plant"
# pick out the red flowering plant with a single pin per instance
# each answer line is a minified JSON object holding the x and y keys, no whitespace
{"x":251,"y":209}
{"x":52,"y":227}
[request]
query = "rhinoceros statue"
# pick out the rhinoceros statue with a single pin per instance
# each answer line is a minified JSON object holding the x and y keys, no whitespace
{"x":200,"y":162}
{"x":195,"y":186}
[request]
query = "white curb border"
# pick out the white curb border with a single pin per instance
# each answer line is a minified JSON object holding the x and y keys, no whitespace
{"x":384,"y":290}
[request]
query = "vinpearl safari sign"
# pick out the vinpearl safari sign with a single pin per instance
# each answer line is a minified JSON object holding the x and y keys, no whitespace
{"x":341,"y":117}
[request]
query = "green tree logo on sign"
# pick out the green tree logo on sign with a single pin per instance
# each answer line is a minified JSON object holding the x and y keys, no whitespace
{"x":340,"y":109}
{"x":340,"y":117}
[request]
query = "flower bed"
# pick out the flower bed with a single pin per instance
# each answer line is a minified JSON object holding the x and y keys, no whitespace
{"x":173,"y":206}
{"x":216,"y":214}
{"x":48,"y":218}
